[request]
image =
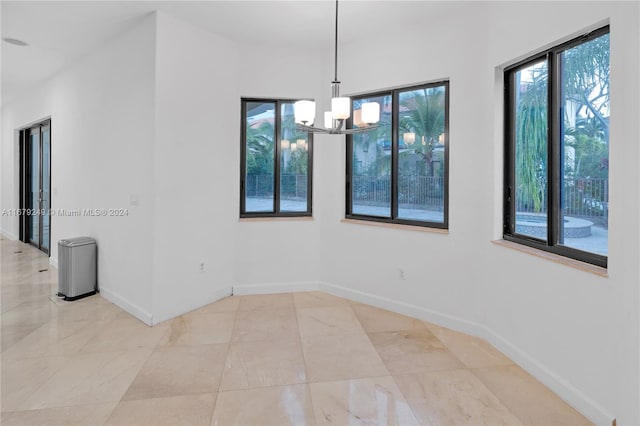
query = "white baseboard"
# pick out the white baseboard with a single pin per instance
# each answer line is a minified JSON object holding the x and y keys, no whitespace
{"x":565,"y":390}
{"x":267,"y":288}
{"x":182,"y":309}
{"x":414,"y":311}
{"x":127,"y":306}
{"x":573,"y":396}
{"x":9,"y":235}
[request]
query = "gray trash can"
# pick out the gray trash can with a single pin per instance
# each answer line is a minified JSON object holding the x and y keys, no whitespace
{"x":77,"y":259}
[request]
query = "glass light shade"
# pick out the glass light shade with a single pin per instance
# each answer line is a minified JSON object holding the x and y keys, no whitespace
{"x":341,"y":108}
{"x":285,"y":144}
{"x":370,"y":112}
{"x":301,"y":143}
{"x":304,"y":112}
{"x":328,"y":119}
{"x":357,"y":118}
{"x":409,"y":138}
{"x":294,"y":147}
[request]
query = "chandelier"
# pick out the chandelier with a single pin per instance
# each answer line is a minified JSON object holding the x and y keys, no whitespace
{"x":334,"y":120}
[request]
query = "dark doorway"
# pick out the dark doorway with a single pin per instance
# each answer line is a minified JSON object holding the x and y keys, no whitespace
{"x":35,"y":185}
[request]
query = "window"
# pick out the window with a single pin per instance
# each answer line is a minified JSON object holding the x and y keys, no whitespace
{"x":557,"y":149}
{"x":276,"y":163}
{"x":398,"y":172}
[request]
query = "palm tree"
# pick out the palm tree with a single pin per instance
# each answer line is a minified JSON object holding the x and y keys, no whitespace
{"x":423,"y":113}
{"x":260,"y":149}
{"x":585,"y":98}
{"x":531,"y":138}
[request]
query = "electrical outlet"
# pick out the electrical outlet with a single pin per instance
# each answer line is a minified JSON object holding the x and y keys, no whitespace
{"x":201,"y":266}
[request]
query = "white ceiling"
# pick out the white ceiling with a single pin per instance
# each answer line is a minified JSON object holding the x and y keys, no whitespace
{"x":59,"y":33}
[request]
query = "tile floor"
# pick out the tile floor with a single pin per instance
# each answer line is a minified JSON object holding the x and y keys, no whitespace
{"x":301,"y":358}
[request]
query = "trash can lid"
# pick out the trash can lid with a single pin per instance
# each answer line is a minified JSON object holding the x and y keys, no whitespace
{"x":77,"y":241}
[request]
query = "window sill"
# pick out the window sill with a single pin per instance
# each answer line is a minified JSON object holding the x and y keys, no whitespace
{"x":576,"y":264}
{"x":275,"y":219}
{"x":396,"y":226}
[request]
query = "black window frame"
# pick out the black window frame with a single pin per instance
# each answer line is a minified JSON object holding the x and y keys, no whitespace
{"x":394,"y":219}
{"x":276,"y":170}
{"x":554,"y":153}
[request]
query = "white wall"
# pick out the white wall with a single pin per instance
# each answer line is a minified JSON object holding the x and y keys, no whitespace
{"x":195,"y":168}
{"x":101,"y":110}
{"x":578,"y":332}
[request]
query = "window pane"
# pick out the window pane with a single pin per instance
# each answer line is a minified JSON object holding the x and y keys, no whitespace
{"x":371,"y":163}
{"x":421,"y":154}
{"x":294,"y":163}
{"x":530,"y":128}
{"x":585,"y":143}
{"x":260,"y":136}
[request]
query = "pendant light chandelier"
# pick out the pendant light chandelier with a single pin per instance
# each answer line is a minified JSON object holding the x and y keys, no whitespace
{"x":334,"y":120}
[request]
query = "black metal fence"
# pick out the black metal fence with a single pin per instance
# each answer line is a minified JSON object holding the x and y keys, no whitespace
{"x":582,"y":197}
{"x":586,"y":198}
{"x":291,"y":186}
{"x":418,"y":191}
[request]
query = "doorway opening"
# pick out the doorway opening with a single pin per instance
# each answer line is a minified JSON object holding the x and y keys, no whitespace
{"x":35,"y":185}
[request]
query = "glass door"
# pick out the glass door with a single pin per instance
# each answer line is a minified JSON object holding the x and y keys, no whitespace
{"x":36,"y":155}
{"x":33,"y":218}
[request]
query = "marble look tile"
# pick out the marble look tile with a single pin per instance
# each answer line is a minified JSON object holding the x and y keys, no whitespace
{"x":265,"y":324}
{"x":53,"y":339}
{"x":454,"y":397}
{"x":30,"y":313}
{"x":527,"y":398}
{"x":341,"y":357}
{"x":12,"y":334}
{"x":310,"y":299}
{"x":8,"y":304}
{"x":263,"y":363}
{"x":332,"y":320}
{"x":184,"y":410}
{"x":277,"y":406}
{"x":413,"y":351}
{"x":79,"y":415}
{"x":199,"y":329}
{"x":87,"y":310}
{"x":21,"y":293}
{"x":125,"y":334}
{"x":268,"y":301}
{"x":228,"y":304}
{"x":180,"y":370}
{"x":88,"y":379}
{"x":20,"y":378}
{"x":472,"y":351}
{"x":361,"y":402}
{"x":375,"y":319}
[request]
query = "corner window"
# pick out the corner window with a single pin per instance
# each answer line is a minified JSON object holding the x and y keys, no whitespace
{"x":398,"y":171}
{"x":557,"y":150}
{"x":276,"y":163}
